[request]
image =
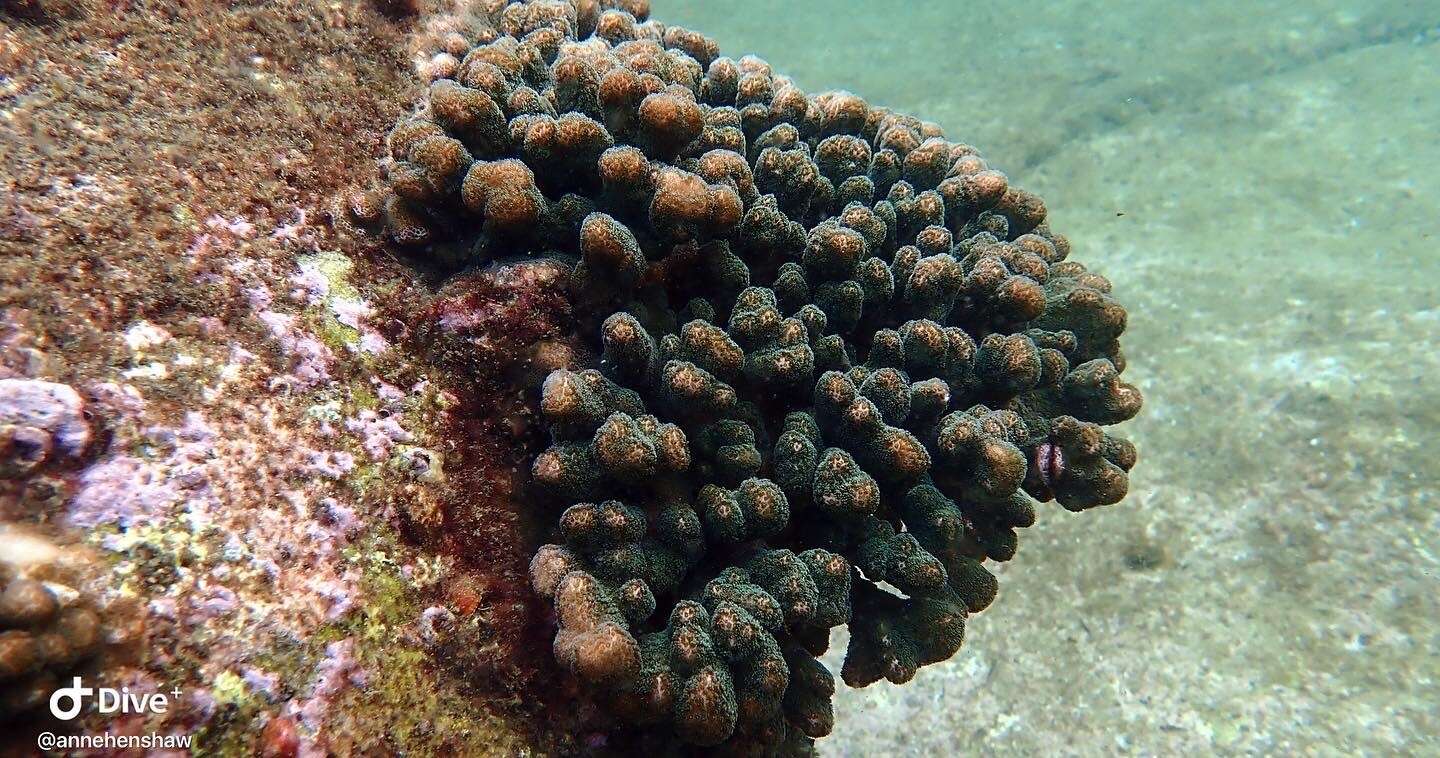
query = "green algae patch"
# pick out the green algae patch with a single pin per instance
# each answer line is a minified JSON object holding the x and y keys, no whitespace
{"x":335,"y":268}
{"x":363,"y":397}
{"x":229,"y":689}
{"x":334,"y":334}
{"x":405,"y":703}
{"x":328,"y":276}
{"x":363,"y":478}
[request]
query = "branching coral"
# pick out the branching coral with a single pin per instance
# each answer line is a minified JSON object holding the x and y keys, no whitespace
{"x":46,"y":631}
{"x":841,"y":358}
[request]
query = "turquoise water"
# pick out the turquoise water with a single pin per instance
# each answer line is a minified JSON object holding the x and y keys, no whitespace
{"x":1259,"y":181}
{"x":294,"y":471}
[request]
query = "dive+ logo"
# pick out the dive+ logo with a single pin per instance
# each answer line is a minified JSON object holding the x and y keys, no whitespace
{"x":67,"y":702}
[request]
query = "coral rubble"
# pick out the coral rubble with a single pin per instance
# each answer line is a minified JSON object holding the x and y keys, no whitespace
{"x":841,"y":358}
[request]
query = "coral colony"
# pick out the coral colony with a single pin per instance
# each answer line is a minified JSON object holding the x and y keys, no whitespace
{"x":838,"y":359}
{"x":731,"y":366}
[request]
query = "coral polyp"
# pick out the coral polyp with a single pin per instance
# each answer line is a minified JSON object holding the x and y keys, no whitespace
{"x":840,"y":359}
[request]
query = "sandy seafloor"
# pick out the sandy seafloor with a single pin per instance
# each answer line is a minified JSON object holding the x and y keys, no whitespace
{"x":1261,"y":183}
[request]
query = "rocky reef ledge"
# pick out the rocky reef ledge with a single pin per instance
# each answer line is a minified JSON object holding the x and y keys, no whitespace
{"x":219,"y":447}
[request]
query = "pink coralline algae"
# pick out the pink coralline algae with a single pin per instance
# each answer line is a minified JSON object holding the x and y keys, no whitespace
{"x":287,"y":535}
{"x":311,"y":285}
{"x":261,"y":681}
{"x":337,"y":672}
{"x":130,"y":491}
{"x":117,"y":401}
{"x":332,"y":464}
{"x":296,"y":231}
{"x":389,"y":393}
{"x":311,"y":359}
{"x":123,"y":490}
{"x":351,"y":313}
{"x":237,"y":226}
{"x":377,"y":433}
